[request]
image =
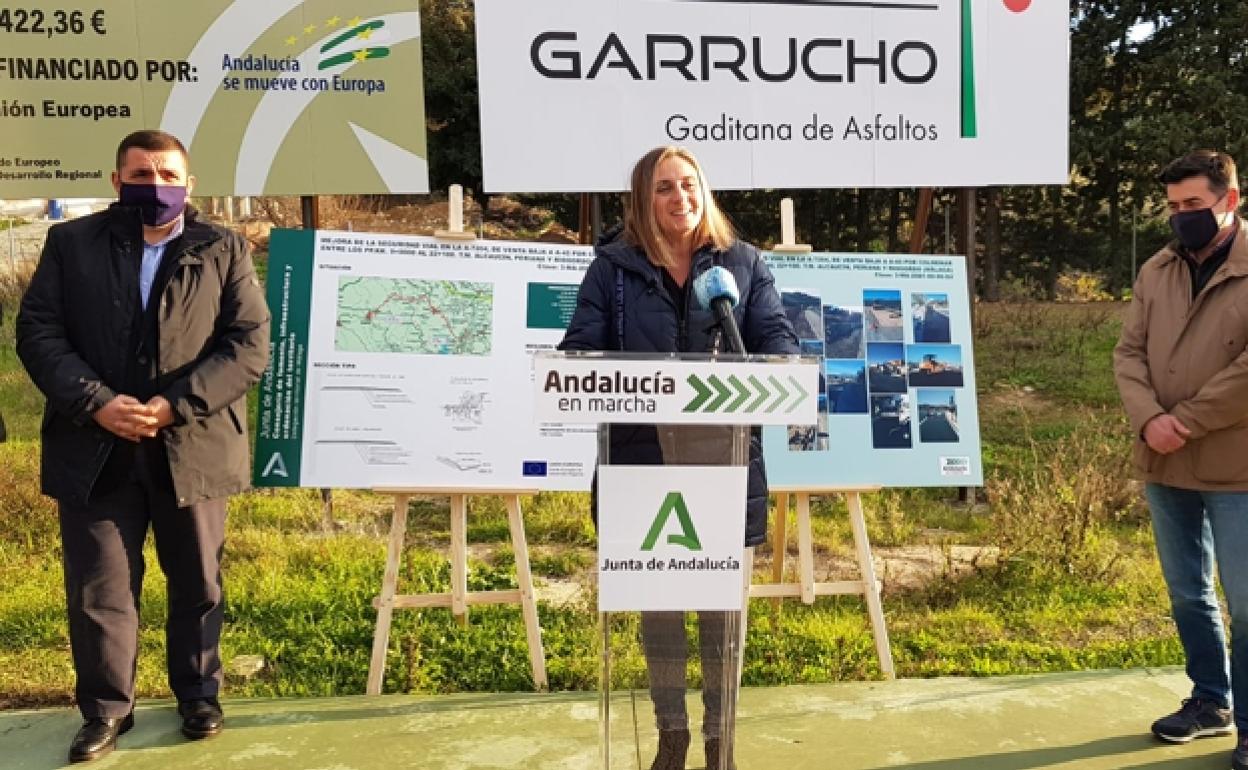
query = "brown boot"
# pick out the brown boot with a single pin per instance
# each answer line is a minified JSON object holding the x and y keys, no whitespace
{"x":713,"y":758}
{"x":673,"y":746}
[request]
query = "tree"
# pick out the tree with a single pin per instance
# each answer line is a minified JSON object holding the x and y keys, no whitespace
{"x":452,"y":116}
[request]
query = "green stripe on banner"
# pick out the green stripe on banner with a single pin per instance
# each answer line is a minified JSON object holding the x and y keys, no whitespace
{"x":970,"y":128}
{"x":347,"y":58}
{"x":351,"y":33}
{"x":279,"y":429}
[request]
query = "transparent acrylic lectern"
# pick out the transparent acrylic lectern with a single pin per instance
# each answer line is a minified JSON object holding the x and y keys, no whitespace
{"x":677,"y":667}
{"x":670,"y":509}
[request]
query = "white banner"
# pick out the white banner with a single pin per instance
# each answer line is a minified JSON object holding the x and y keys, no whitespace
{"x":601,"y":390}
{"x":670,"y":538}
{"x":774,"y":93}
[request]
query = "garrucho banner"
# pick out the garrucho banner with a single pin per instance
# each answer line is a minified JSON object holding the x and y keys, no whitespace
{"x":272,"y":97}
{"x":775,"y":93}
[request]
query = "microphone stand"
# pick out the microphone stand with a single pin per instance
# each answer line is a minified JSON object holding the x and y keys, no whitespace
{"x":726,"y":321}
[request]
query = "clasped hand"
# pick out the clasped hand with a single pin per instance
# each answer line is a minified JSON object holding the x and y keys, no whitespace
{"x":133,"y":420}
{"x":1165,"y":434}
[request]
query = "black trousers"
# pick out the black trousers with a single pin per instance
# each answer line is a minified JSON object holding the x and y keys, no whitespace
{"x":104,"y":565}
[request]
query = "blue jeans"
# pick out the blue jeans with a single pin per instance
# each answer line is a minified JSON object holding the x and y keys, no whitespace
{"x":1194,"y":530}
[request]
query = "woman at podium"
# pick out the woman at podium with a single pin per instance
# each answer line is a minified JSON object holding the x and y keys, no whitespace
{"x":651,"y":288}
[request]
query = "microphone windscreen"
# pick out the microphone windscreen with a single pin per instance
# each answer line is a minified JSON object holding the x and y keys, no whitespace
{"x":715,"y":283}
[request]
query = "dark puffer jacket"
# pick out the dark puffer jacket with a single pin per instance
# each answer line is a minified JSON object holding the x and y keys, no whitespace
{"x":651,"y":325}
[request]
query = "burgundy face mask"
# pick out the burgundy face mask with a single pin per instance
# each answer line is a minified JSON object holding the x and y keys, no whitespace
{"x":158,"y":204}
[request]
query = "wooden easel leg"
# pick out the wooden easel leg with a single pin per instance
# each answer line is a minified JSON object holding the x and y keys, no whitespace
{"x":385,"y":603}
{"x":459,"y":558}
{"x":805,"y":548}
{"x":779,"y":545}
{"x":871,"y":588}
{"x":528,"y":602}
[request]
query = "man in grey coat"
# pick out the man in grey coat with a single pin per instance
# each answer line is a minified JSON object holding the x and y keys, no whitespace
{"x":144,"y":328}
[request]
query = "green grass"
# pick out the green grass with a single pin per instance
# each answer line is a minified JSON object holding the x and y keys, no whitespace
{"x":1076,"y":586}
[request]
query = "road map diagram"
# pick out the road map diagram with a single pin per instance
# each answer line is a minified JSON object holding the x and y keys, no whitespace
{"x":419,"y":317}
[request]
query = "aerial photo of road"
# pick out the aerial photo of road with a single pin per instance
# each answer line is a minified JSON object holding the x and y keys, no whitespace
{"x":802,"y":309}
{"x":842,"y":329}
{"x":931,"y":317}
{"x":938,"y":416}
{"x":890,"y":422}
{"x":934,"y":365}
{"x":882,"y":312}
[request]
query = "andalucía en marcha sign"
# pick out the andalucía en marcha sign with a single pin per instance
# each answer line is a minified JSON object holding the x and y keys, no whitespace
{"x":775,"y":93}
{"x":593,"y":388}
{"x":270,"y":96}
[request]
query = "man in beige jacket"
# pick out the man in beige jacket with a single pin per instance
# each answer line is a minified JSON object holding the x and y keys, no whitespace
{"x":1182,"y":370}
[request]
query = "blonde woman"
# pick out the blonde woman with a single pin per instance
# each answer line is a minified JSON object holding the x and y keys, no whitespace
{"x":638,"y":296}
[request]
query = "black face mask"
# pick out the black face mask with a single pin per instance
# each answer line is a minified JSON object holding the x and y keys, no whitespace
{"x":1195,"y":229}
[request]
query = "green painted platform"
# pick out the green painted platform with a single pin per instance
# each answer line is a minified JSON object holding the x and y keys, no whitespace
{"x":1090,"y":720}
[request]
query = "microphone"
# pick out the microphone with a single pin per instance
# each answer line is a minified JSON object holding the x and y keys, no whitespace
{"x":716,"y":290}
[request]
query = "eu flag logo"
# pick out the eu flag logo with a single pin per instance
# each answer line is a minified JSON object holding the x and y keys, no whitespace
{"x":534,"y":468}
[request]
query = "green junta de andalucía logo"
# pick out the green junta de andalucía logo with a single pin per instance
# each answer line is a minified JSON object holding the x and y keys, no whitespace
{"x":688,"y":536}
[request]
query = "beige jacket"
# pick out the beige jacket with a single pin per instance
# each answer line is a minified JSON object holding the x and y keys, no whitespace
{"x":1189,"y":358}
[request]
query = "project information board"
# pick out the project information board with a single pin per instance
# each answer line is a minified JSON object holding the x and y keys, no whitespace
{"x":775,"y":93}
{"x":271,"y":97}
{"x":897,"y":406}
{"x":407,"y":361}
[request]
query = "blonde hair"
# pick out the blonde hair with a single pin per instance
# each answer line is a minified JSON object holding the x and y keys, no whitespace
{"x":641,"y":226}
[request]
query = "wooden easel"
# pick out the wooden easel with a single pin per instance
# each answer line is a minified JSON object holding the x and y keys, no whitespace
{"x":459,"y":598}
{"x":806,"y":587}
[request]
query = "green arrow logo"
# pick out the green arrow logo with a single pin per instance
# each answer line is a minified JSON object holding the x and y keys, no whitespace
{"x":742,"y":393}
{"x":762,"y":394}
{"x":712,"y":394}
{"x":803,"y":394}
{"x":703,"y":393}
{"x":688,"y":537}
{"x":723,"y":393}
{"x":776,"y":386}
